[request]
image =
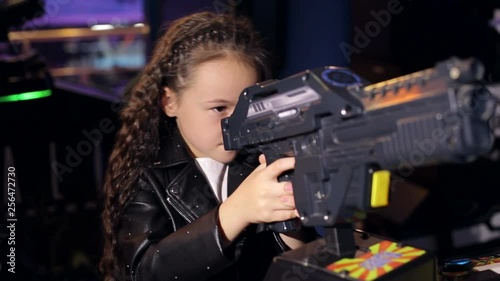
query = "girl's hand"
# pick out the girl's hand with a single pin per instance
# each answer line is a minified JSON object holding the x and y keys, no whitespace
{"x":262,"y":160}
{"x":259,"y":199}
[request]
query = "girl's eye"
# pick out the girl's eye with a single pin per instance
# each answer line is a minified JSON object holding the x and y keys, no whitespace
{"x":219,"y":109}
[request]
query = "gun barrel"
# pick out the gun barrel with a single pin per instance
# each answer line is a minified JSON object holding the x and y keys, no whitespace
{"x":420,"y":124}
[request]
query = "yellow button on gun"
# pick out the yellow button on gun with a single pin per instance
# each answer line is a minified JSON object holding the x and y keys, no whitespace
{"x":380,"y":188}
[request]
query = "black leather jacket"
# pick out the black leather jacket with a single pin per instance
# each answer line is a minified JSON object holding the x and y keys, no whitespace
{"x":169,"y":229}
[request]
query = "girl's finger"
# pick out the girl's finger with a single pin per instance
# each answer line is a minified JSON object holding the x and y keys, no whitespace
{"x":262,"y":159}
{"x":288,"y":202}
{"x":284,"y":215}
{"x":280,"y":166}
{"x":288,"y":188}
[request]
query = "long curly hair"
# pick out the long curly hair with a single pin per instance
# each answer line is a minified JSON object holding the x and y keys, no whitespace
{"x":188,"y":42}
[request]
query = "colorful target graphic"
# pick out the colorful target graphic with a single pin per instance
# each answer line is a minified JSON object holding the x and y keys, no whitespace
{"x":487,"y":260}
{"x":382,"y":258}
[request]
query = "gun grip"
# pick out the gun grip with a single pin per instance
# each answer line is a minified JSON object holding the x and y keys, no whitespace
{"x":281,"y":226}
{"x":270,"y":158}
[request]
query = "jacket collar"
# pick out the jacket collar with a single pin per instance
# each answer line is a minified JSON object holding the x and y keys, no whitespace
{"x":173,"y":148}
{"x":187,"y":185}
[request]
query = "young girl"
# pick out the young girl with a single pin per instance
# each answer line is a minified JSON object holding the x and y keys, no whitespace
{"x":178,"y":206}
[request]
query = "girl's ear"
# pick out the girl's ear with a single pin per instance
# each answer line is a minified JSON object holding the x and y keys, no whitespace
{"x":169,"y":102}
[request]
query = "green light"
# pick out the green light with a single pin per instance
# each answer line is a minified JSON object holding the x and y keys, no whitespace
{"x":26,"y":96}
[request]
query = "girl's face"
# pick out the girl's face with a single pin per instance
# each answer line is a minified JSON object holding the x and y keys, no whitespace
{"x":212,"y":96}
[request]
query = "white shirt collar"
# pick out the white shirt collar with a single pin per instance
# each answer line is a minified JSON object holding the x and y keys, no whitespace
{"x":216,"y":174}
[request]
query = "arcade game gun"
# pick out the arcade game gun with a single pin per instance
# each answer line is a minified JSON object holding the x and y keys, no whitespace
{"x":348,"y":137}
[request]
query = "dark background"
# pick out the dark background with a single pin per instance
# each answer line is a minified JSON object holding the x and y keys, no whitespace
{"x":58,"y":232}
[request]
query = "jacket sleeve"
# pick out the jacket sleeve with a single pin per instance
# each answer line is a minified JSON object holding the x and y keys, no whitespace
{"x":149,"y":249}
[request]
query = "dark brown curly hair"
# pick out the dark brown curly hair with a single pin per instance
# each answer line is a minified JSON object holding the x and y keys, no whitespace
{"x":188,"y":42}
